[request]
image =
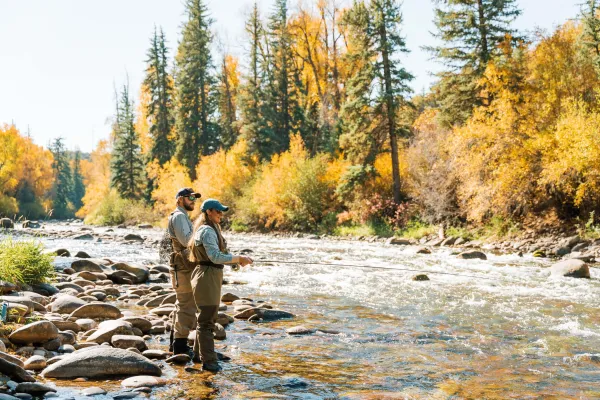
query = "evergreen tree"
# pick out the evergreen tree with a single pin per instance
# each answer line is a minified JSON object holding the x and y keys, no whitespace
{"x":63,"y":181}
{"x":127,"y":166}
{"x":376,"y":91}
{"x":591,"y":30}
{"x":251,"y":94}
{"x":281,"y":109}
{"x":78,"y":187}
{"x":471,"y":32}
{"x":160,"y":85}
{"x":196,"y":129}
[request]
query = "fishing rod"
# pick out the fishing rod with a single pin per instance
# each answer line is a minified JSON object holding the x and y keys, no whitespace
{"x":369,"y":267}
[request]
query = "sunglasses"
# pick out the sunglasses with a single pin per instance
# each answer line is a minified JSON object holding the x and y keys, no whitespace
{"x":192,"y":198}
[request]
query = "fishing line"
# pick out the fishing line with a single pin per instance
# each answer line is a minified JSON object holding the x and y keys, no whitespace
{"x":371,"y":267}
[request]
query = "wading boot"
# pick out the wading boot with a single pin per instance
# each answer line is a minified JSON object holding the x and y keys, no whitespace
{"x":180,"y":346}
{"x":212,"y":366}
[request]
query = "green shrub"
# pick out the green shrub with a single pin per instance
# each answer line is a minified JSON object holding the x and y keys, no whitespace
{"x":498,"y":227}
{"x":416,"y":229}
{"x":8,"y":206}
{"x":370,"y":228}
{"x":114,"y":210}
{"x":24,"y":262}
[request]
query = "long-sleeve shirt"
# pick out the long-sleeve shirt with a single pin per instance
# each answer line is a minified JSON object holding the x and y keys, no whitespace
{"x":207,"y":237}
{"x":180,"y":226}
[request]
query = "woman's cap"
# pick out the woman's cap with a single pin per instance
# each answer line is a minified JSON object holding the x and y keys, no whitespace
{"x":185,"y":192}
{"x":213,"y":204}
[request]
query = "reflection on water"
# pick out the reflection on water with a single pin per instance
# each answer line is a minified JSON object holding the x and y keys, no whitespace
{"x":519,"y":335}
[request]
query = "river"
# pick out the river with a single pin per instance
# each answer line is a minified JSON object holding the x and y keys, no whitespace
{"x":504,"y":330}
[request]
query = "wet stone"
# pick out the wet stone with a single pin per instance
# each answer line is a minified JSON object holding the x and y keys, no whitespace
{"x":299,"y":330}
{"x":179,"y":359}
{"x":93,"y":391}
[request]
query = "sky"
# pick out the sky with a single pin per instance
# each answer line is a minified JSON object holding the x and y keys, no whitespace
{"x":61,"y":59}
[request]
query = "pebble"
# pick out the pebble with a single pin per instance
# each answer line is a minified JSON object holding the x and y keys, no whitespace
{"x":299,"y":330}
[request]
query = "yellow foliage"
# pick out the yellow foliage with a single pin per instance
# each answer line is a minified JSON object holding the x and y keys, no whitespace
{"x":224,"y":174}
{"x":573,"y":162}
{"x":168,"y":180}
{"x":293,"y":191}
{"x":96,"y":178}
{"x":142,"y":127}
{"x":11,"y":153}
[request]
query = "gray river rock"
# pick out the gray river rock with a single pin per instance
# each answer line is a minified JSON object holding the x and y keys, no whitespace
{"x":101,"y":362}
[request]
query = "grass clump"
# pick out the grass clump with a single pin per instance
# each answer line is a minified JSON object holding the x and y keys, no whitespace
{"x":416,"y":229}
{"x":115,"y":210}
{"x":380,"y":229}
{"x":24,"y":262}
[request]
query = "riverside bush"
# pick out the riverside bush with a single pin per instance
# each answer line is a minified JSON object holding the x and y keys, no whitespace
{"x":24,"y":262}
{"x":114,"y":210}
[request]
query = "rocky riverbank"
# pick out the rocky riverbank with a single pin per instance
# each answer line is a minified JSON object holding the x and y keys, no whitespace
{"x":67,"y":338}
{"x":99,"y":319}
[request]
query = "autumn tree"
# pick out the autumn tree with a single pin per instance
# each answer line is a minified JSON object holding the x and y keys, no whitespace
{"x":227,"y":93}
{"x":160,"y":106}
{"x":127,"y":166}
{"x":63,"y":180}
{"x":197,"y":132}
{"x":470,"y":32}
{"x":378,"y":87}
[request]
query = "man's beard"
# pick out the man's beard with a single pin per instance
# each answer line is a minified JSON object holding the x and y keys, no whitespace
{"x":189,"y":207}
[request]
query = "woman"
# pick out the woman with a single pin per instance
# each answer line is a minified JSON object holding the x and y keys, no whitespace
{"x":208,"y":249}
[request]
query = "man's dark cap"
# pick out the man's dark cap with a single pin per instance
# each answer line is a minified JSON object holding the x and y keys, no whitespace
{"x":185,"y":192}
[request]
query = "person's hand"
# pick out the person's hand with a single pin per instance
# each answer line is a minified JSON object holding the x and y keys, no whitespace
{"x":245,"y":261}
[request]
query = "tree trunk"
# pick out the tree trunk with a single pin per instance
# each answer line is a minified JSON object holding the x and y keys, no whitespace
{"x":391,"y":110}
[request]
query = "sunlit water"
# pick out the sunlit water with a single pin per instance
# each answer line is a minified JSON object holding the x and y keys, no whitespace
{"x":505,"y":330}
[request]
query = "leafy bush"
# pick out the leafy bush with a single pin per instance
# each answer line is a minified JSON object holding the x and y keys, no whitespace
{"x":8,"y":206}
{"x":24,"y":262}
{"x":114,"y":210}
{"x":416,"y":229}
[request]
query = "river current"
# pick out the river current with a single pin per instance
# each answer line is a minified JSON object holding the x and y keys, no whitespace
{"x":502,"y":329}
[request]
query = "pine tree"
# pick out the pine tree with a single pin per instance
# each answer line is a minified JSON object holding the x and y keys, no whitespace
{"x":160,"y":85}
{"x":250,"y":93}
{"x":377,"y":90}
{"x":127,"y":167}
{"x":281,"y":109}
{"x":78,"y":190}
{"x":63,"y":181}
{"x":591,"y":30}
{"x":195,"y":84}
{"x":470,"y":31}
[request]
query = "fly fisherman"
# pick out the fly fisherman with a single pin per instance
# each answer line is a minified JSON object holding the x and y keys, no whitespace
{"x":180,"y":232}
{"x":209,"y":250}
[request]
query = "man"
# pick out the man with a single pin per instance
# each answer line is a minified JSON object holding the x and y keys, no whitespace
{"x":180,"y":231}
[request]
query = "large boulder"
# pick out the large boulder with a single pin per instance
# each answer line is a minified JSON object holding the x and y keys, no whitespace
{"x":127,"y":341}
{"x":572,"y":268}
{"x":122,"y":277}
{"x":107,"y":329}
{"x":86,"y":265}
{"x":31,"y":224}
{"x":6,"y":223}
{"x":133,"y":236}
{"x":45,"y":289}
{"x":138,"y":322}
{"x":97,"y":310}
{"x":7,"y":287}
{"x":37,"y":332}
{"x":141,"y":273}
{"x":101,"y":362}
{"x":66,"y":304}
{"x":34,"y":388}
{"x":11,"y":358}
{"x":26,"y":301}
{"x":470,"y":255}
{"x":15,"y":372}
